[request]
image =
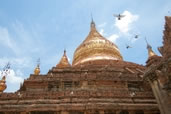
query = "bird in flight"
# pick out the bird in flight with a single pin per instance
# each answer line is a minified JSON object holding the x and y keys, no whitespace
{"x":119,"y":16}
{"x":127,"y":46}
{"x":136,"y":36}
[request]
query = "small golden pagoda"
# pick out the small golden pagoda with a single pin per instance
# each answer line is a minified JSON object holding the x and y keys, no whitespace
{"x":3,"y":85}
{"x":4,"y":73}
{"x":150,"y":51}
{"x":64,"y":63}
{"x":37,"y":69}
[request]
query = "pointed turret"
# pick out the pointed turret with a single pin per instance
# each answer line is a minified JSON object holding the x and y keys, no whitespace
{"x":153,"y":58}
{"x":93,"y":25}
{"x":150,"y":51}
{"x":4,"y":73}
{"x":64,"y":63}
{"x":37,"y":69}
{"x":3,"y":85}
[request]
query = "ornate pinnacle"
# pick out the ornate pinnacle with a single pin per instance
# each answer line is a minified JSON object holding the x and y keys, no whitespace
{"x":4,"y":73}
{"x":93,"y":25}
{"x":150,"y":51}
{"x":37,"y":69}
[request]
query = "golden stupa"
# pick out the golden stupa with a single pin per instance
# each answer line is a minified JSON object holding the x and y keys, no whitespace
{"x":37,"y":70}
{"x":64,"y":63}
{"x":95,"y":47}
{"x":3,"y":86}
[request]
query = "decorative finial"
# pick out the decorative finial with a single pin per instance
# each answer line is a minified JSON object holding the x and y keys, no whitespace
{"x":64,"y":51}
{"x":150,"y":51}
{"x":38,"y":62}
{"x":37,"y":69}
{"x":4,"y":73}
{"x":92,"y":22}
{"x":92,"y":18}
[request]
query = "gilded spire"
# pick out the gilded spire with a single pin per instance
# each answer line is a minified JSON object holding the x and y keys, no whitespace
{"x":4,"y":73}
{"x":93,"y":25}
{"x":150,"y":51}
{"x":3,"y":86}
{"x":37,"y":69}
{"x":95,"y":47}
{"x":64,"y":63}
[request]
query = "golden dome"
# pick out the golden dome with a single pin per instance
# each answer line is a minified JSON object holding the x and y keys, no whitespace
{"x":64,"y":63}
{"x":2,"y":84}
{"x":37,"y":70}
{"x":95,"y":47}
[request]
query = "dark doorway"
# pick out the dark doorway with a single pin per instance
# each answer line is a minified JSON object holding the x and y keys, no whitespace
{"x":124,"y":112}
{"x":76,"y":112}
{"x":42,"y":112}
{"x":9,"y":112}
{"x":139,"y":112}
{"x":109,"y":112}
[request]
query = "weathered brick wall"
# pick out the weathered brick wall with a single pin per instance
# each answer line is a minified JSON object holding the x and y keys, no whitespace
{"x":167,"y":38}
{"x":94,"y":87}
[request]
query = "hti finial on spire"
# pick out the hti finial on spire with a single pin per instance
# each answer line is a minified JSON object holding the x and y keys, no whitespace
{"x":148,"y":45}
{"x":92,"y":18}
{"x":64,"y":51}
{"x":38,"y":62}
{"x":92,"y":22}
